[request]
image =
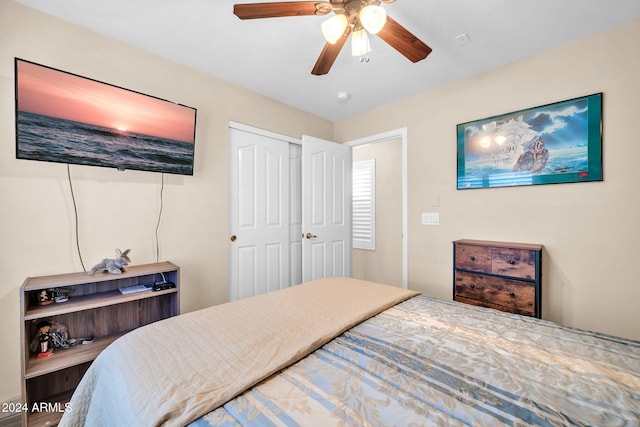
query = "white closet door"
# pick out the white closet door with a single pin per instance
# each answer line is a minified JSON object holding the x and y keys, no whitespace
{"x":259,"y":214}
{"x":326,"y":209}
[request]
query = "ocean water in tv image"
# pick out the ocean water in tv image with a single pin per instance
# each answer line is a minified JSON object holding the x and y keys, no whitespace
{"x":65,"y":141}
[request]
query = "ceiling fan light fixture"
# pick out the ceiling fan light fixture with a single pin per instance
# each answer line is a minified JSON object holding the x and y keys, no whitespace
{"x":360,"y":43}
{"x":373,"y":18}
{"x":334,"y":27}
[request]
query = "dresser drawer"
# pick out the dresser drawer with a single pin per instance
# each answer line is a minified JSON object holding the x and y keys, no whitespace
{"x":479,"y":303}
{"x":513,"y":262}
{"x":474,"y":258}
{"x":515,"y":295}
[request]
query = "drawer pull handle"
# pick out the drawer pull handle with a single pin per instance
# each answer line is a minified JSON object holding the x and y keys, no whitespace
{"x":512,"y":262}
{"x":472,"y":258}
{"x":472,"y":286}
{"x":511,"y":294}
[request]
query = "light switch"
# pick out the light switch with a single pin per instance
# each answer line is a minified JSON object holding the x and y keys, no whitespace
{"x":430,"y":218}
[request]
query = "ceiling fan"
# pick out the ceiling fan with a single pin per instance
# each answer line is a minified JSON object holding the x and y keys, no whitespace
{"x":352,"y":17}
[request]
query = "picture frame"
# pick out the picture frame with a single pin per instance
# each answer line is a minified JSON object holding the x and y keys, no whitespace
{"x":554,"y":143}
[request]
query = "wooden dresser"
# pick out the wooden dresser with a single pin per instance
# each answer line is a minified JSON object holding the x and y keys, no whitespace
{"x":500,"y":275}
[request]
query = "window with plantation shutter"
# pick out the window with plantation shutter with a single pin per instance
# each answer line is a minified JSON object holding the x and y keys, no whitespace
{"x":364,"y":204}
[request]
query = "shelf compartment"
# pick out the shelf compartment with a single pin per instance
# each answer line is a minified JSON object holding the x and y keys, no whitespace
{"x":48,"y":419}
{"x":75,"y":279}
{"x":65,"y":358}
{"x":89,"y":302}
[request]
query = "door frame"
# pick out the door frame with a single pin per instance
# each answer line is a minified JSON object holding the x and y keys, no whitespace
{"x":382,"y":137}
{"x":267,"y":133}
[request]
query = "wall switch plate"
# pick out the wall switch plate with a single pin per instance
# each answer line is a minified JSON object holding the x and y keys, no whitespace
{"x":430,"y":218}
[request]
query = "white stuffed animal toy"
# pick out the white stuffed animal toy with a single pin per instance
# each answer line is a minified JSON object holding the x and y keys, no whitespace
{"x":113,"y":266}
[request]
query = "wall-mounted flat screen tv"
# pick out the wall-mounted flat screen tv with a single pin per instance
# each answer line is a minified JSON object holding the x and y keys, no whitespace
{"x":66,"y":118}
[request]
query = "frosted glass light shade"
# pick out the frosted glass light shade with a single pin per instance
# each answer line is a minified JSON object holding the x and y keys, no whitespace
{"x":373,"y":18}
{"x":360,"y":43}
{"x":333,"y":28}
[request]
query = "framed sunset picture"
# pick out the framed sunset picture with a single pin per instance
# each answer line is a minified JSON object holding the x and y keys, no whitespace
{"x":66,"y":118}
{"x":549,"y":144}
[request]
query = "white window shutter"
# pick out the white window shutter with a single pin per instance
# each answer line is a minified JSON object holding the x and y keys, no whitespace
{"x":364,"y":204}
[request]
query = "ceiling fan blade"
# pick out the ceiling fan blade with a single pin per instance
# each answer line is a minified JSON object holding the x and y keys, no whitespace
{"x":403,"y":41}
{"x":329,"y":54}
{"x":274,"y":10}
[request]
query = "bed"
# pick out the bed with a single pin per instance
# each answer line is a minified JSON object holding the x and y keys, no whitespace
{"x":347,"y":352}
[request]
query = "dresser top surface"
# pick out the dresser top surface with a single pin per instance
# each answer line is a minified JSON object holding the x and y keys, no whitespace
{"x":530,"y":246}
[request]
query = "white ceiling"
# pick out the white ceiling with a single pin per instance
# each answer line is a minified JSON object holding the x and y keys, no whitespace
{"x":274,"y":56}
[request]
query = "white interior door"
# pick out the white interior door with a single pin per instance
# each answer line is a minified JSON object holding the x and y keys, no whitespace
{"x":326,"y":209}
{"x":259,"y":214}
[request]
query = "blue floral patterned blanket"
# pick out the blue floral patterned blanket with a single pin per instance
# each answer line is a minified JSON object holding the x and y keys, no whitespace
{"x":432,"y":362}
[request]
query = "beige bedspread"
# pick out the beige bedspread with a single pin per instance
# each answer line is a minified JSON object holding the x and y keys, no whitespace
{"x":176,"y":370}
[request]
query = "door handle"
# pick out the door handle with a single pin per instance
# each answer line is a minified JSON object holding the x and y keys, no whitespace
{"x":311,"y":236}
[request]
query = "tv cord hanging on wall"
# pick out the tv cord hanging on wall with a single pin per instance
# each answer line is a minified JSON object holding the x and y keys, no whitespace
{"x":75,"y":211}
{"x":159,"y":217}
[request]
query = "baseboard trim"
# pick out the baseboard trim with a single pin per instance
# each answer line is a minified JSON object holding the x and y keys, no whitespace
{"x":8,"y":418}
{"x":12,"y":420}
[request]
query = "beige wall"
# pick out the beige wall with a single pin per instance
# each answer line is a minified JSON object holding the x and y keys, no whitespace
{"x":118,"y":209}
{"x":384,"y":264}
{"x":589,"y":230}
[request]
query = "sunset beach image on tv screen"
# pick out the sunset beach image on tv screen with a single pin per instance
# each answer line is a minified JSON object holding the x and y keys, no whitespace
{"x":62,"y":117}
